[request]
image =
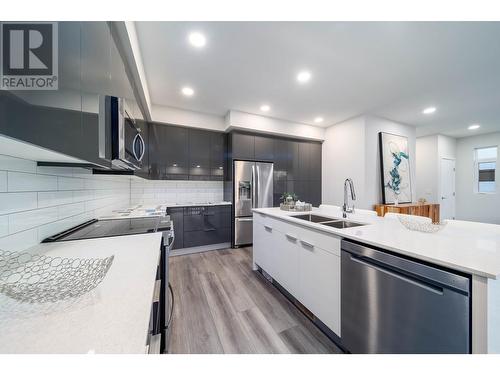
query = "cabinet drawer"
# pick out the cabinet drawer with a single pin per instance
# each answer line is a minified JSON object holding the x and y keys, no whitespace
{"x":319,"y":285}
{"x":207,"y":237}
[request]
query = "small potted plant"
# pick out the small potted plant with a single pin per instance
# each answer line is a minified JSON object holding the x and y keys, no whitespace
{"x":289,"y":200}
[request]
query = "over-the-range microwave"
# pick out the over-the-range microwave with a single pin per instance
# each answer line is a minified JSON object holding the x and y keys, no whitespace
{"x":127,"y":144}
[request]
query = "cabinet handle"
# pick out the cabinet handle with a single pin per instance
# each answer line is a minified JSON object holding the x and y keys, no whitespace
{"x":290,"y":236}
{"x":307,"y":244}
{"x":268,"y":227}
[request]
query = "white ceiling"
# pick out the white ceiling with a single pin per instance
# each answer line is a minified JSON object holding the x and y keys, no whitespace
{"x":389,"y":69}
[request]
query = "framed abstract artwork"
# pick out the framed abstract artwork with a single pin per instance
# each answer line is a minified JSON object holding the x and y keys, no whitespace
{"x":395,"y":168}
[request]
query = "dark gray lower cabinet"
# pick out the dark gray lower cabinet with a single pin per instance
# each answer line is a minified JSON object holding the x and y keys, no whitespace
{"x":177,"y":217}
{"x":201,"y":225}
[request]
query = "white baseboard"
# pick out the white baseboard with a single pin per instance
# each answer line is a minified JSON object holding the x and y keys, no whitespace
{"x":200,"y":249}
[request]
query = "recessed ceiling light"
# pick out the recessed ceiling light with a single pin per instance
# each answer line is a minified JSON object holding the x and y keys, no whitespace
{"x":187,"y":91}
{"x":474,"y":127}
{"x":304,"y":76}
{"x":265,"y":108}
{"x":317,"y":120}
{"x":197,"y":39}
{"x":429,"y":110}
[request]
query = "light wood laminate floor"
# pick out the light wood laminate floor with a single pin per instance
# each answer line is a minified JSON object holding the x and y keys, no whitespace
{"x":222,"y":306}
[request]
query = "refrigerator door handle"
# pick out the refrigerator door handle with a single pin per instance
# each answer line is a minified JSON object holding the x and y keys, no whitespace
{"x":253,"y":186}
{"x":257,"y":187}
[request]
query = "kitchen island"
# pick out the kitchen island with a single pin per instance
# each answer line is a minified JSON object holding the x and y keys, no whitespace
{"x":112,"y":318}
{"x":312,"y":251}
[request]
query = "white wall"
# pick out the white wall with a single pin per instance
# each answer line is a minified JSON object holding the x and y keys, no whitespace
{"x":37,"y":202}
{"x":427,"y":182}
{"x":351,"y":150}
{"x":236,"y":120}
{"x":430,"y":150}
{"x":154,"y":192}
{"x":470,"y":205}
{"x":269,"y":125}
{"x":343,"y":156}
{"x":184,"y":117}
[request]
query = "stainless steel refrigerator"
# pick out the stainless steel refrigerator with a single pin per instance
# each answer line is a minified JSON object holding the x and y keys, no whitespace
{"x":253,"y":188}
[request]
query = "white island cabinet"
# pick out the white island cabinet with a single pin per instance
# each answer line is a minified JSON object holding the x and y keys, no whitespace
{"x":304,"y":262}
{"x":304,"y":258}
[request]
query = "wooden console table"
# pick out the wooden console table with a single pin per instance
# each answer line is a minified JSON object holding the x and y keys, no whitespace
{"x":426,"y":209}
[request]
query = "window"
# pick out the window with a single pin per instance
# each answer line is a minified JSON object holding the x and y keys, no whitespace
{"x":485,"y":167}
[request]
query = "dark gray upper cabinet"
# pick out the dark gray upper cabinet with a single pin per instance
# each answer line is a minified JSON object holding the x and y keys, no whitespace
{"x":286,"y":159}
{"x":177,"y":152}
{"x":314,"y":192}
{"x":199,"y":154}
{"x":168,"y":152}
{"x":66,"y":120}
{"x":50,"y":118}
{"x":217,"y":155}
{"x":304,"y":161}
{"x":264,"y":148}
{"x":243,"y":146}
{"x":157,"y":157}
{"x":176,"y":149}
{"x":95,"y":83}
{"x":315,"y":161}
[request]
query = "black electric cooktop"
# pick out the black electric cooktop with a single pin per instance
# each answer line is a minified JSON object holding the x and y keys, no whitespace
{"x":107,"y":228}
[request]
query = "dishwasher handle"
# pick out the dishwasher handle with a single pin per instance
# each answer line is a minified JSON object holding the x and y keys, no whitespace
{"x":412,"y":269}
{"x":401,"y":276}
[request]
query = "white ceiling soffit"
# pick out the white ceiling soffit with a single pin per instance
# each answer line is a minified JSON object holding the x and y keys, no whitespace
{"x":19,"y":149}
{"x":129,"y":44}
{"x":389,"y":69}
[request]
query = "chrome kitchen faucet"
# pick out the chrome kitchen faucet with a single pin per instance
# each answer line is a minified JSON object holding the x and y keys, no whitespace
{"x":345,"y":207}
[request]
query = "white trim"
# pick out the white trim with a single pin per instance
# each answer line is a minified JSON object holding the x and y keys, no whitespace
{"x":479,"y":315}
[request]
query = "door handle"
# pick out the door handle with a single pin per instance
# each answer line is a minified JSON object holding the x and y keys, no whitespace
{"x":307,"y":244}
{"x":268,"y":228}
{"x":243,"y":220}
{"x":406,"y":278}
{"x":291,"y":237}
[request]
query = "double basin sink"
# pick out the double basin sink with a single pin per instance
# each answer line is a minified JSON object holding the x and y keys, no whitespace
{"x":335,"y":223}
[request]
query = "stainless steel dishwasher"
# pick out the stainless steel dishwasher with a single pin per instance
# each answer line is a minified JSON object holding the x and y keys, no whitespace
{"x":390,"y":304}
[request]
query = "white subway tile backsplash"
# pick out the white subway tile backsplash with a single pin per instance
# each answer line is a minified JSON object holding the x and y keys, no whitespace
{"x":9,"y":163}
{"x":30,"y":182}
{"x":3,"y":181}
{"x":15,"y":202}
{"x":54,"y":198}
{"x":71,"y":210}
{"x":36,"y":202}
{"x":55,"y":171}
{"x":82,"y":195}
{"x":30,"y":219}
{"x":19,"y":241}
{"x":67,"y":183}
{"x":147,"y":192}
{"x":4,"y":225}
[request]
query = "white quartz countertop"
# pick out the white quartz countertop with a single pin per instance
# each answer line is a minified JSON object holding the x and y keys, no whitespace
{"x":158,"y":210}
{"x":470,"y":247}
{"x":196,"y":204}
{"x":112,"y":318}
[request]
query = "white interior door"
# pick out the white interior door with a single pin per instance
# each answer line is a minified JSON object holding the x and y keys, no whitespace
{"x":447,"y":209}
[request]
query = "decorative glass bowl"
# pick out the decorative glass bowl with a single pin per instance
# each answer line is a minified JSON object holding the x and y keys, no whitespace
{"x":420,"y":226}
{"x":40,"y":278}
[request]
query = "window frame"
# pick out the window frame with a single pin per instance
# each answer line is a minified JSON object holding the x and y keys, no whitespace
{"x":476,"y":170}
